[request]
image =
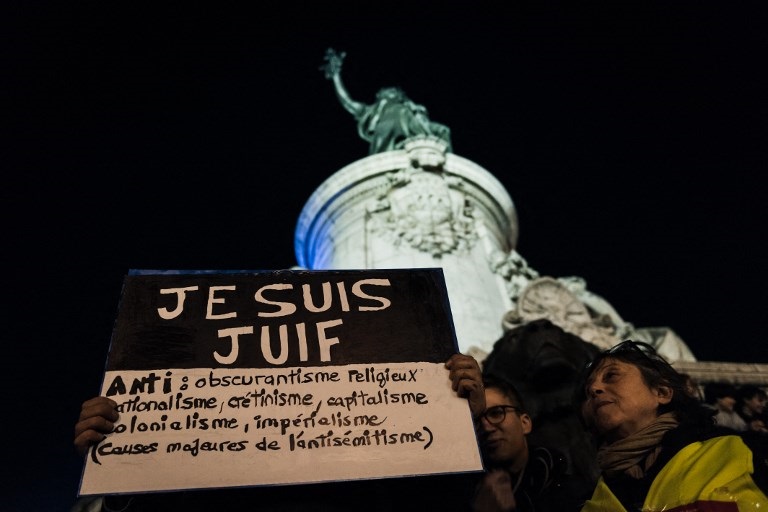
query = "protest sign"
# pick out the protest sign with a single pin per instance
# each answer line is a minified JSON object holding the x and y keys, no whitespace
{"x":275,"y":378}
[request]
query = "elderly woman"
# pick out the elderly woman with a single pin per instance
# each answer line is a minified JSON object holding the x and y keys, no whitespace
{"x":658,"y":447}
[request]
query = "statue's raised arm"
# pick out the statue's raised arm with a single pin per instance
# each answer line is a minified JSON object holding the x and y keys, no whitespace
{"x":388,"y":122}
{"x":332,"y":69}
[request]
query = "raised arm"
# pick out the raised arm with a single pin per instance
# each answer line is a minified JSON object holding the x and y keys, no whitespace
{"x":332,"y":70}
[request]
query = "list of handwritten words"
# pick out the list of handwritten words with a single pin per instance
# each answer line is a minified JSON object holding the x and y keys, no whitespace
{"x":316,"y":424}
{"x":344,"y":419}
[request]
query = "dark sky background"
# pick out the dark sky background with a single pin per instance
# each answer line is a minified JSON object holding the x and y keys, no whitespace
{"x":632,"y":139}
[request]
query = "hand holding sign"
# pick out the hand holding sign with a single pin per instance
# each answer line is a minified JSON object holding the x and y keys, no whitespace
{"x":380,"y":400}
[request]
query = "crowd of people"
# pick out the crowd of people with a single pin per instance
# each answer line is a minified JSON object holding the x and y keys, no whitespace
{"x":660,"y":444}
{"x":741,"y":408}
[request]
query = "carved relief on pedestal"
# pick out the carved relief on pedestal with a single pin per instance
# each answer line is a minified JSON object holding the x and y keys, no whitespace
{"x":514,"y":271}
{"x":566,"y":302}
{"x":426,"y":152}
{"x":422,"y":208}
{"x":547,"y":297}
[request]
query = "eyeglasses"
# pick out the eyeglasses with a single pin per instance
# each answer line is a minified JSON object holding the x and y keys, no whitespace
{"x":496,"y":414}
{"x":626,"y":346}
{"x":639,"y":346}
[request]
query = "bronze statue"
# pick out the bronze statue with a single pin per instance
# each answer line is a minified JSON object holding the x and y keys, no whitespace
{"x":388,"y":122}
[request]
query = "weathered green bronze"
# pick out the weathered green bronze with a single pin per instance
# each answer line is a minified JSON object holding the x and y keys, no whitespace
{"x":391,"y":119}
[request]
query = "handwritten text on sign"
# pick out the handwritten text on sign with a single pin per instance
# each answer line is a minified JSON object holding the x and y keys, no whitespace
{"x":271,"y":295}
{"x":192,"y":418}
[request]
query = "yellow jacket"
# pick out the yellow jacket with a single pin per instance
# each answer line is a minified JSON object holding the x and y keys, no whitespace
{"x":704,"y":476}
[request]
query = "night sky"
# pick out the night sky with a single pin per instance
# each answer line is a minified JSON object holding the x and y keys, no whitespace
{"x":632,"y":140}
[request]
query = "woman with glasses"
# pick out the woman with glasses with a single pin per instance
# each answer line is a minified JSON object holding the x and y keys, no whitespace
{"x":519,"y":476}
{"x":659,"y":448}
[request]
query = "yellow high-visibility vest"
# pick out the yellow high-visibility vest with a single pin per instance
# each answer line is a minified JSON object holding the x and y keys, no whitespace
{"x":705,"y":476}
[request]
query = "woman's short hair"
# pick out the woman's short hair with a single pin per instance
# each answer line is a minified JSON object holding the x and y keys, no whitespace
{"x":656,"y":371}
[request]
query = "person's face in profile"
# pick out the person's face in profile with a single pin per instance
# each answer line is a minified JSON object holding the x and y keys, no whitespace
{"x":756,"y":404}
{"x":618,"y":401}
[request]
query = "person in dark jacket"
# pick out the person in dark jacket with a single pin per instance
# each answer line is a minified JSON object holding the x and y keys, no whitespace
{"x":519,"y":476}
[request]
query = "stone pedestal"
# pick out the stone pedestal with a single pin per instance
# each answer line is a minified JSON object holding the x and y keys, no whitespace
{"x":418,"y":207}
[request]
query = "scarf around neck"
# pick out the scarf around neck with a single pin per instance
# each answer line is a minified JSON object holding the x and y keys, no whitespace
{"x":626,"y":455}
